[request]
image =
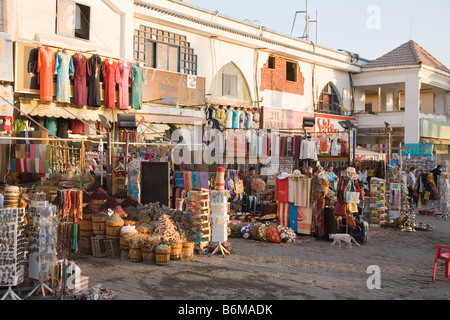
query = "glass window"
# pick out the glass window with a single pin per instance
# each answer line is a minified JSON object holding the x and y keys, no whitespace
{"x":73,"y":19}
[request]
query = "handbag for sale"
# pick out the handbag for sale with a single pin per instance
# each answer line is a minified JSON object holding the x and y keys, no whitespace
{"x":360,"y":191}
{"x":352,"y":196}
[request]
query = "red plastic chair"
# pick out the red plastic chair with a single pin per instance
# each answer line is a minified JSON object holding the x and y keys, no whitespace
{"x":442,"y":256}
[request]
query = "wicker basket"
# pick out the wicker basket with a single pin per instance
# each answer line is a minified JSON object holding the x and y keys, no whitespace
{"x":124,"y":254}
{"x":162,"y":257}
{"x":148,"y":256}
{"x":99,"y":225}
{"x":113,"y":230}
{"x":175,"y":251}
{"x":136,"y":254}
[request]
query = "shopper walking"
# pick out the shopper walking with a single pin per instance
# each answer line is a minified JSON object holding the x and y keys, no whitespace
{"x":411,"y":183}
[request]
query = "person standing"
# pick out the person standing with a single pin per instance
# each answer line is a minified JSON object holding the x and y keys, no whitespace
{"x":411,"y":182}
{"x":332,"y":177}
{"x":436,"y":173}
{"x":248,"y":181}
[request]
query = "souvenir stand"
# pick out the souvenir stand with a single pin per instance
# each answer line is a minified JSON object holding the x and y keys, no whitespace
{"x":377,"y":216}
{"x":444,"y":189}
{"x":42,"y":239}
{"x":198,"y":207}
{"x":219,"y":220}
{"x":12,"y":250}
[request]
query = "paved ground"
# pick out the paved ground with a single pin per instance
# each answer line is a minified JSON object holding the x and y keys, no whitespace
{"x":307,"y":270}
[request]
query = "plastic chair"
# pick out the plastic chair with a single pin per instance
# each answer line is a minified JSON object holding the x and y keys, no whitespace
{"x":442,"y":256}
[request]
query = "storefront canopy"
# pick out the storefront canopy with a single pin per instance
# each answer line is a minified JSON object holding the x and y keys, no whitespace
{"x":34,"y":107}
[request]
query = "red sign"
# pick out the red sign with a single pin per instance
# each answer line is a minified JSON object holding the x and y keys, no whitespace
{"x":329,"y":124}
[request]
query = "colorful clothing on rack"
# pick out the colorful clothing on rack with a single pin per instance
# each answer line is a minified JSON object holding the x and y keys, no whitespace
{"x":95,"y":67}
{"x":109,"y":74}
{"x":138,"y":79}
{"x":123,"y":78}
{"x":81,"y":72}
{"x":46,"y":69}
{"x":64,"y":69}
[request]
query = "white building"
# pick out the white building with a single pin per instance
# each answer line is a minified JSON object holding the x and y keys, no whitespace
{"x":408,"y":89}
{"x":236,"y":63}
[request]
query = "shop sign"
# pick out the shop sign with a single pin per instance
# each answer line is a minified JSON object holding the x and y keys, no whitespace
{"x":6,"y":60}
{"x":329,"y":124}
{"x":435,"y":129}
{"x":283,"y":119}
{"x":164,"y":87}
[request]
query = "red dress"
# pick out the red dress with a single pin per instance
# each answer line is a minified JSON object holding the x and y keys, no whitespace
{"x":109,"y":73}
{"x":46,"y":69}
{"x":81,"y":71}
{"x":123,"y":78}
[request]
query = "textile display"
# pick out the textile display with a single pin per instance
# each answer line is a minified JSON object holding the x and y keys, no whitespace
{"x":308,"y":150}
{"x":283,"y":213}
{"x":304,"y":220}
{"x":81,"y":72}
{"x":282,"y":189}
{"x":64,"y":69}
{"x":109,"y":74}
{"x":137,"y":79}
{"x":293,"y":217}
{"x":302,"y":191}
{"x":123,"y":78}
{"x":46,"y":69}
{"x":95,"y":67}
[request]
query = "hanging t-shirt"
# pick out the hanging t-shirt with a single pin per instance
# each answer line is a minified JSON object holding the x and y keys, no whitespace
{"x":51,"y":124}
{"x":77,"y":126}
{"x":282,"y":190}
{"x":235,"y":119}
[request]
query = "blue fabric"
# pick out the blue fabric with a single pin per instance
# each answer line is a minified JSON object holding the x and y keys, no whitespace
{"x":293,"y":213}
{"x":133,"y":190}
{"x":235,"y":119}
{"x":51,"y":124}
{"x":64,"y":68}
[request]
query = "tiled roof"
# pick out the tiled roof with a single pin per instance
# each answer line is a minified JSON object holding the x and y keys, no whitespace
{"x":408,"y":54}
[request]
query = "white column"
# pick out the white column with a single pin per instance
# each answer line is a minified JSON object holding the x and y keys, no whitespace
{"x":412,"y":109}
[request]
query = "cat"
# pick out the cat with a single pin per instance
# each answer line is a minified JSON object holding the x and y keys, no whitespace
{"x":338,"y":238}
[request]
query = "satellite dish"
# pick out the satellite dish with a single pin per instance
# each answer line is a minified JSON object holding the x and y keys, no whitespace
{"x":105,"y":122}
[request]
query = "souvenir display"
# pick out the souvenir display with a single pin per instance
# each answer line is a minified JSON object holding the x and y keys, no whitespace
{"x":377,"y":202}
{"x":12,"y":245}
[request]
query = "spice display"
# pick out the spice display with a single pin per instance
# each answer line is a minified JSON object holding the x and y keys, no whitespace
{"x":114,"y":219}
{"x":99,"y":194}
{"x":120,"y":212}
{"x":110,"y":203}
{"x":90,"y":209}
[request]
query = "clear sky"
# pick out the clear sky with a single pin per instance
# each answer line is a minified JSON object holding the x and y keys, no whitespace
{"x":370,"y":28}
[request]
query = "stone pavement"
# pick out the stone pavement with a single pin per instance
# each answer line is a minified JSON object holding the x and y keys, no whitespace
{"x":307,"y":270}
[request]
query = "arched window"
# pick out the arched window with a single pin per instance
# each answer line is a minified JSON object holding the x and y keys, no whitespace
{"x":329,"y":101}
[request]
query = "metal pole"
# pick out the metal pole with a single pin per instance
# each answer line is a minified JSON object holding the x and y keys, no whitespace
{"x":125,"y":160}
{"x":109,"y":165}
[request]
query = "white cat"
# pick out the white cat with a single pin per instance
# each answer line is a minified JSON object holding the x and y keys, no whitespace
{"x":338,"y":238}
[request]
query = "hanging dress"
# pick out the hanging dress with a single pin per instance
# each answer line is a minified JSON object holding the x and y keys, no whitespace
{"x":64,"y":69}
{"x":138,"y":78}
{"x":123,"y":78}
{"x":46,"y":69}
{"x":95,"y":67}
{"x":109,"y":73}
{"x":81,"y":71}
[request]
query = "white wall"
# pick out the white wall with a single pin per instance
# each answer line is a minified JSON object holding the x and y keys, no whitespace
{"x":110,"y":22}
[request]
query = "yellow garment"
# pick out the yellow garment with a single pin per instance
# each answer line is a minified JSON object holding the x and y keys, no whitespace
{"x":430,"y":180}
{"x":220,"y":115}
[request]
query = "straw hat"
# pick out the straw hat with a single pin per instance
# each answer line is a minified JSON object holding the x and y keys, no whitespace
{"x":297,"y":174}
{"x":350,"y":170}
{"x":283,"y":176}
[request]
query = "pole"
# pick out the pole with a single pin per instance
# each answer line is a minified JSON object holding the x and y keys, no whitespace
{"x":109,"y":165}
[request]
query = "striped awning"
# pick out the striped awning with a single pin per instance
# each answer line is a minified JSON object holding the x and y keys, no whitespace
{"x":34,"y":107}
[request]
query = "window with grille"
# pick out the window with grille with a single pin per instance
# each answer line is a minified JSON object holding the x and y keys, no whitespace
{"x":164,"y":50}
{"x":329,"y":101}
{"x":229,"y":85}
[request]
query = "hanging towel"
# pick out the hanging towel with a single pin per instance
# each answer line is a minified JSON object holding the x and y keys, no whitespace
{"x":191,"y":185}
{"x":204,"y":178}
{"x":304,"y":220}
{"x":186,"y":180}
{"x":293,"y":215}
{"x":283,"y":213}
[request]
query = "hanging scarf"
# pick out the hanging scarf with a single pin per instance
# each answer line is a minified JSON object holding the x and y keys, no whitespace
{"x":74,"y":237}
